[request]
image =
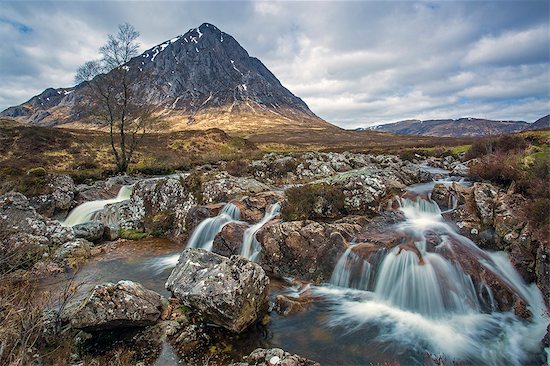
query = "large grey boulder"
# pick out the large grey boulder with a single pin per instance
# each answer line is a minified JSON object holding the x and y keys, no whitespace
{"x":59,"y":199}
{"x":224,"y":187}
{"x":124,"y":304}
{"x":91,"y":231}
{"x":230,"y":292}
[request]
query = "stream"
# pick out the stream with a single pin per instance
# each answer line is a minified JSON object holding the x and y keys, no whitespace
{"x":414,"y":304}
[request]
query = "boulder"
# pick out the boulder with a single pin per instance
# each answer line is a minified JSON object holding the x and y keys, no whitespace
{"x":111,"y":233}
{"x":198,"y":214}
{"x":288,"y":305}
{"x":22,"y":228}
{"x":111,"y":306}
{"x":74,"y":248}
{"x":274,"y":357}
{"x":228,"y":241}
{"x":254,"y":207}
{"x":306,"y":249}
{"x":230,"y":292}
{"x":542,"y":270}
{"x":92,"y":231}
{"x":223,"y":187}
{"x":60,"y":197}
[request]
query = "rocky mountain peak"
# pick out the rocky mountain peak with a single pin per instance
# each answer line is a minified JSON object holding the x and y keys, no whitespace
{"x":201,"y":79}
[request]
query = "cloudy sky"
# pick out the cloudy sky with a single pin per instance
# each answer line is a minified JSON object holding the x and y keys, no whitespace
{"x":354,"y":63}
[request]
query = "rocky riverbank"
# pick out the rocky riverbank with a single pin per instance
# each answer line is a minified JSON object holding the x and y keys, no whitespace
{"x":217,"y":295}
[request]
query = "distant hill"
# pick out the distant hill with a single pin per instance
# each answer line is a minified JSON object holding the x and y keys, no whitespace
{"x":202,"y":79}
{"x":463,"y":127}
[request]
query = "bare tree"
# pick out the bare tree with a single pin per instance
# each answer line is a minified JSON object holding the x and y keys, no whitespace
{"x":112,"y":96}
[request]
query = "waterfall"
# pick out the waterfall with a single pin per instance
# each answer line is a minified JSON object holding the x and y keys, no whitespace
{"x":203,"y":236}
{"x":85,"y":212}
{"x":423,"y":299}
{"x":250,"y":247}
{"x":351,"y":271}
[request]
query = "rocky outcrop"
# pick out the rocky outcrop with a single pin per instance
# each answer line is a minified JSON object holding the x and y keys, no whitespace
{"x":159,"y":205}
{"x":223,"y":187}
{"x":253,"y":207}
{"x":230,"y":292}
{"x":22,"y":227}
{"x":304,"y":249}
{"x":366,"y":188}
{"x":273,"y":357}
{"x":72,"y":249}
{"x":60,"y":197}
{"x":92,"y":231}
{"x":124,"y":304}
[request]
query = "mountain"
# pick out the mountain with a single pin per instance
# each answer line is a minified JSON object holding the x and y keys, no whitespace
{"x":463,"y":127}
{"x":199,"y":80}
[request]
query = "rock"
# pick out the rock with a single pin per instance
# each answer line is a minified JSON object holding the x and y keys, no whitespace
{"x":542,"y":270}
{"x":224,"y":187}
{"x":159,"y":205}
{"x":442,"y":196}
{"x":367,"y":188}
{"x":59,"y":200}
{"x":484,"y":196}
{"x":273,"y":357}
{"x":91,"y":231}
{"x":254,"y":207}
{"x":198,"y":214}
{"x":23,"y":229}
{"x":75,"y":248}
{"x":461,"y":169}
{"x":124,"y":304}
{"x":111,"y":233}
{"x":307,"y":249}
{"x":230,"y":292}
{"x":228,"y":241}
{"x":288,"y":305}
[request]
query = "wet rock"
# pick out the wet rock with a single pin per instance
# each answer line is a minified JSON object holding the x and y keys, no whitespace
{"x":224,"y":187}
{"x":111,"y":233}
{"x":442,"y":196}
{"x":288,"y":305}
{"x":230,"y":292}
{"x":124,"y":304}
{"x":228,"y":241}
{"x":254,"y":207}
{"x":542,"y":270}
{"x":484,"y":196}
{"x":303,"y":249}
{"x":91,"y":231}
{"x":198,"y":214}
{"x":273,"y":357}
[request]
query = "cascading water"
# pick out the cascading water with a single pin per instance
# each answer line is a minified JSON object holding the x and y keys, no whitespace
{"x":250,"y":247}
{"x":203,"y":236}
{"x":85,"y":212}
{"x":424,"y":300}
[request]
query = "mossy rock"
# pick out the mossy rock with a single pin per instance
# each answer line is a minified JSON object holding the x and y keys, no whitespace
{"x":132,"y":234}
{"x":37,"y":172}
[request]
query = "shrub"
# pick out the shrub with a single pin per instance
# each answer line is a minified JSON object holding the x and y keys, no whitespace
{"x":237,"y":168}
{"x":499,"y":168}
{"x":502,"y":144}
{"x":537,"y":211}
{"x":37,"y":172}
{"x":313,"y":201}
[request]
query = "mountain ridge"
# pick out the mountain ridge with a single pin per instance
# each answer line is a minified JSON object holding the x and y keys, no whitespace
{"x":461,"y":127}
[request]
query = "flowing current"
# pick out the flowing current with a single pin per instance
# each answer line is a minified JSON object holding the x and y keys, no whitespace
{"x":250,"y":247}
{"x":85,"y":212}
{"x":419,"y":295}
{"x":203,"y":236}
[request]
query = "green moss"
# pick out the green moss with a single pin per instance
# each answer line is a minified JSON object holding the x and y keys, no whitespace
{"x":37,"y":172}
{"x":160,"y":223}
{"x":132,"y":234}
{"x":193,"y":184}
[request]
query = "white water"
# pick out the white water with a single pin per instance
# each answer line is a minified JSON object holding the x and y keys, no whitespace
{"x":250,"y":247}
{"x":203,"y":236}
{"x":85,"y":212}
{"x":427,"y":303}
